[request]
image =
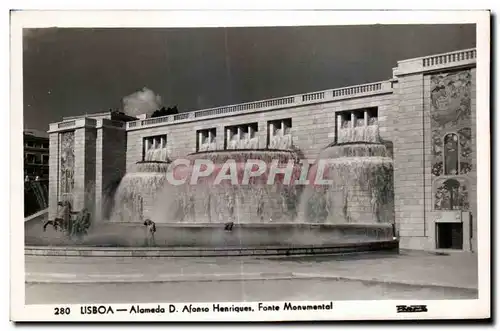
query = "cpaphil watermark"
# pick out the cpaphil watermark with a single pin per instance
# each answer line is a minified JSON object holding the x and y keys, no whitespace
{"x":250,"y":172}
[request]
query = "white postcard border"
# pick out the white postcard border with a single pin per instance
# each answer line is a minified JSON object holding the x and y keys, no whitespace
{"x":343,"y":310}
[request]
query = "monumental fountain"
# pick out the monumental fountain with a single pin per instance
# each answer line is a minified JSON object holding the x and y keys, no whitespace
{"x":354,"y":203}
{"x":347,"y":207}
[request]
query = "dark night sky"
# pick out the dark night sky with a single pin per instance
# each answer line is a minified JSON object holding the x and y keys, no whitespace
{"x":76,"y":71}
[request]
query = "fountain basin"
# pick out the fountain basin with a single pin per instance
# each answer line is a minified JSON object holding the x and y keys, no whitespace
{"x":213,"y":236}
{"x":170,"y":252}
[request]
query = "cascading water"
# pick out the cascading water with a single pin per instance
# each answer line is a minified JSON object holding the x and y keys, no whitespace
{"x":35,"y":196}
{"x":209,"y":202}
{"x":361,"y":171}
{"x":156,"y":154}
{"x":139,"y":187}
{"x":146,"y":193}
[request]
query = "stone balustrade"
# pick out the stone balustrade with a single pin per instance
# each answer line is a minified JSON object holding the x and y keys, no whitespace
{"x":266,"y":105}
{"x":449,"y":58}
{"x":436,"y":62}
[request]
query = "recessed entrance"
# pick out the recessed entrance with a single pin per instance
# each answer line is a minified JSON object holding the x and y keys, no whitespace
{"x":449,"y":235}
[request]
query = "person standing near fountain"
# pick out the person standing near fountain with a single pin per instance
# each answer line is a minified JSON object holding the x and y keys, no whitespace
{"x":150,"y":232}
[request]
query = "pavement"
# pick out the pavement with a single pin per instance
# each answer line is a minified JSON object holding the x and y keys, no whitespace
{"x":410,"y":275}
{"x":456,"y":270}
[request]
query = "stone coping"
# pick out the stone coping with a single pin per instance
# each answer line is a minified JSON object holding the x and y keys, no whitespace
{"x":260,"y":225}
{"x":343,"y":248}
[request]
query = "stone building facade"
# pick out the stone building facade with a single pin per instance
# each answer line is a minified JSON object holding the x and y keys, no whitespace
{"x":427,"y":110}
{"x":36,"y":155}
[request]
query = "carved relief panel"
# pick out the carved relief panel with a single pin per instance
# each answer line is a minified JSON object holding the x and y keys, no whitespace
{"x":67,"y":164}
{"x":451,"y":139}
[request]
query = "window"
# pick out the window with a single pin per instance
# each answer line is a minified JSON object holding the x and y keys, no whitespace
{"x":45,"y":159}
{"x":155,"y":148}
{"x":241,"y":136}
{"x":233,"y":133}
{"x":279,"y":133}
{"x":206,"y":139}
{"x":279,"y":127}
{"x":253,"y":129}
{"x":345,"y":120}
{"x":451,"y":154}
{"x":357,"y":117}
{"x":372,"y":116}
{"x":30,"y":158}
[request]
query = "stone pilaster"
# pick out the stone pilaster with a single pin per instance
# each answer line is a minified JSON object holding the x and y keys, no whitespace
{"x":53,"y":173}
{"x":85,"y":152}
{"x":110,"y":161}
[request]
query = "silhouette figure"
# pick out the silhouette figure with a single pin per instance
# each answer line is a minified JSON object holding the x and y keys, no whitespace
{"x":228,"y":226}
{"x":150,"y":232}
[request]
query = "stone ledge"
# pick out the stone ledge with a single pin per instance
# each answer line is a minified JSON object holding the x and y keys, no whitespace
{"x":392,"y":245}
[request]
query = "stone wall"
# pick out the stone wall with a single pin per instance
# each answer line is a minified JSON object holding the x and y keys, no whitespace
{"x":53,"y":173}
{"x":85,"y":170}
{"x":313,"y":127}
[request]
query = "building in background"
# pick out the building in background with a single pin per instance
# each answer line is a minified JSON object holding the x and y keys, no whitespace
{"x":36,"y":154}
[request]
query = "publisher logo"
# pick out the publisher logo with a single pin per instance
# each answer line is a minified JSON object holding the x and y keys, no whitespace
{"x":411,"y":309}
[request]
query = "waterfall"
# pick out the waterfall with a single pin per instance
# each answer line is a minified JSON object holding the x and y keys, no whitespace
{"x":361,"y":171}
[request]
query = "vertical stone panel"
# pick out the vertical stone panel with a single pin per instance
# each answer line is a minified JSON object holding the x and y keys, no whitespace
{"x":99,"y":175}
{"x":79,"y":176}
{"x":85,"y":156}
{"x":67,"y":165}
{"x":428,"y":159}
{"x":473,"y":174}
{"x":408,"y":148}
{"x":53,"y":173}
{"x":110,"y":167}
{"x":90,"y":168}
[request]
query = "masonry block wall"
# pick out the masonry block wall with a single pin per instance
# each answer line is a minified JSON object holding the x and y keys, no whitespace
{"x":408,"y":134}
{"x":473,"y":173}
{"x":313,"y":127}
{"x":53,"y":173}
{"x":85,"y":155}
